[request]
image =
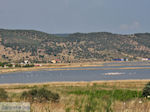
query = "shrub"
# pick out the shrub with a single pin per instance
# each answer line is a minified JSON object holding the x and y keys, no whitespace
{"x":40,"y":95}
{"x":9,"y":65}
{"x":1,"y":63}
{"x":17,"y":65}
{"x":146,"y":90}
{"x":3,"y":95}
{"x":29,"y":65}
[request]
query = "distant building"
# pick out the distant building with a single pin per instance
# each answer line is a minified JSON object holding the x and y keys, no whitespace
{"x":116,"y":59}
{"x":26,"y":62}
{"x":126,"y":59}
{"x":38,"y":65}
{"x":122,"y":59}
{"x":53,"y":61}
{"x":13,"y":65}
{"x":145,"y":59}
{"x":58,"y":61}
{"x":5,"y":66}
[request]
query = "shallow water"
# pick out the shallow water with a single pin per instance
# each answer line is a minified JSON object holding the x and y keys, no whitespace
{"x":78,"y":74}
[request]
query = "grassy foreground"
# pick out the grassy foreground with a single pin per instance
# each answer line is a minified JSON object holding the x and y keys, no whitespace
{"x":110,"y":96}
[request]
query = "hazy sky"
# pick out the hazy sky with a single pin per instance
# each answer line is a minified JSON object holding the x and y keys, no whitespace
{"x":67,"y":16}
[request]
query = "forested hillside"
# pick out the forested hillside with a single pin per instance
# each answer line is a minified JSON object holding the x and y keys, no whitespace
{"x":19,"y":45}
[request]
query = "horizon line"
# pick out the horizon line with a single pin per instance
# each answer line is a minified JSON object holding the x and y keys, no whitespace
{"x":73,"y":32}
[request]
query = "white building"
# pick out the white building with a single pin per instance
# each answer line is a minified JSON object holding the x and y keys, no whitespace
{"x":144,"y":59}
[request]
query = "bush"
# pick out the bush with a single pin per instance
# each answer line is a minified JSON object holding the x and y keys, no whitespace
{"x":40,"y":95}
{"x":2,"y":64}
{"x":28,"y":65}
{"x":5,"y":63}
{"x":17,"y":65}
{"x":9,"y":65}
{"x":3,"y":95}
{"x":146,"y":90}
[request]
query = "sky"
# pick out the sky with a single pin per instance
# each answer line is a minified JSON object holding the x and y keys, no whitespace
{"x":70,"y":16}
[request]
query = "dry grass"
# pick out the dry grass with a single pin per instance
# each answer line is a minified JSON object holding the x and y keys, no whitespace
{"x":136,"y":105}
{"x":125,"y":84}
{"x":73,"y":102}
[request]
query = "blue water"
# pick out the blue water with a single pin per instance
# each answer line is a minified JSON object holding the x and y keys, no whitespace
{"x":77,"y":75}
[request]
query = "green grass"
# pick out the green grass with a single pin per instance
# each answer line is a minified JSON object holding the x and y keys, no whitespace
{"x":98,"y":100}
{"x":118,"y":94}
{"x":104,"y":97}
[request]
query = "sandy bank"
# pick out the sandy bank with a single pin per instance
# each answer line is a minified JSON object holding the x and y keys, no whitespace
{"x":68,"y":66}
{"x":77,"y":83}
{"x":47,"y":66}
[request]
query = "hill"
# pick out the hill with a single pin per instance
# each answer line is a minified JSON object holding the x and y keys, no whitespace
{"x":36,"y":46}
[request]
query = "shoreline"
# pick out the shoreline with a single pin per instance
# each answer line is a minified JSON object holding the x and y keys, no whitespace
{"x":77,"y":83}
{"x":12,"y":70}
{"x":71,"y":66}
{"x":47,"y":66}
